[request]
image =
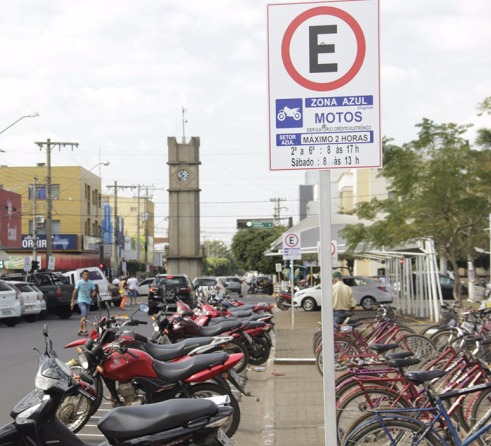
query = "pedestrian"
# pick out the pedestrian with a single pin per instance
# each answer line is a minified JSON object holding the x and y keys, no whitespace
{"x":132,"y":282}
{"x":343,"y":299}
{"x":123,"y":293}
{"x":84,"y":291}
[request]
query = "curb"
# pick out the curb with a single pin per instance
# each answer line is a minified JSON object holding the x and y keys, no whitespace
{"x":295,"y":361}
{"x":267,"y":436}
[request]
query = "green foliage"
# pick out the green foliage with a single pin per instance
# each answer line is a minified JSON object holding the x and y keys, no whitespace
{"x":134,"y":266}
{"x":218,"y":260}
{"x":439,"y":188}
{"x":249,"y":245}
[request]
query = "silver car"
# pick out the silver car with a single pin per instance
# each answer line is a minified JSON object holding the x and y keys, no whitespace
{"x":32,"y":301}
{"x":368,"y":293}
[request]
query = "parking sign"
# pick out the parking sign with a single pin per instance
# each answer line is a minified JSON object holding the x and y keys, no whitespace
{"x":323,"y":75}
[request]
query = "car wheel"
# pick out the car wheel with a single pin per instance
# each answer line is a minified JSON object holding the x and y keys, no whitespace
{"x":368,"y":303}
{"x":64,"y":313}
{"x":309,"y":304}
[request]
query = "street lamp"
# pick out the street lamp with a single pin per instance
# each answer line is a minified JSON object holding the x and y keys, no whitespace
{"x":30,"y":115}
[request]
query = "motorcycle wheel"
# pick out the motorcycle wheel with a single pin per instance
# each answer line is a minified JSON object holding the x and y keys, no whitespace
{"x":259,"y":351}
{"x":75,"y":410}
{"x":280,"y":303}
{"x":206,"y":390}
{"x":235,"y":346}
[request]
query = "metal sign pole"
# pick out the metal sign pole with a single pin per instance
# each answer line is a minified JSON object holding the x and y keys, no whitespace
{"x":329,"y":375}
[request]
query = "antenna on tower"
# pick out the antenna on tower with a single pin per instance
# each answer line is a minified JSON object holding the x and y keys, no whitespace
{"x":184,"y":121}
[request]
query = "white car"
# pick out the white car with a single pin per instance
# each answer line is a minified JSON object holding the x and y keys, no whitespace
{"x":142,"y":287}
{"x":32,"y":301}
{"x":42,"y":299}
{"x":11,"y":304}
{"x":368,"y":293}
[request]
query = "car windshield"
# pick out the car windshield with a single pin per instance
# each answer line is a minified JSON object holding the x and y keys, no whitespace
{"x":206,"y":282}
{"x":170,"y":281}
{"x":232,"y":279}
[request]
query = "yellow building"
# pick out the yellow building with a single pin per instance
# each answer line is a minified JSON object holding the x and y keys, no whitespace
{"x":76,"y":213}
{"x":137,"y":219}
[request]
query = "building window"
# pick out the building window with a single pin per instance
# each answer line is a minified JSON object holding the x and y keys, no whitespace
{"x":41,"y":191}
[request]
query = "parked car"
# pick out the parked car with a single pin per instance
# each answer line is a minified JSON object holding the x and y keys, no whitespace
{"x":11,"y":304}
{"x":262,"y":284}
{"x":143,"y":286}
{"x":368,"y":292}
{"x":44,"y":306}
{"x":166,"y":288}
{"x":58,"y":293}
{"x":231,"y":284}
{"x":205,"y":287}
{"x":97,"y":276}
{"x":32,"y":301}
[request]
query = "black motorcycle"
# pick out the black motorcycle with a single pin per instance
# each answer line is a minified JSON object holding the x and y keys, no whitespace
{"x":172,"y":422}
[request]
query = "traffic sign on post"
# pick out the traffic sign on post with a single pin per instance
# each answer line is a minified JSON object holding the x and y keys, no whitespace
{"x":323,"y":73}
{"x":292,"y":246}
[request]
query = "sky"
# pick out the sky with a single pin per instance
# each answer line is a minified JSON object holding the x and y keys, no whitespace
{"x":115,"y":77}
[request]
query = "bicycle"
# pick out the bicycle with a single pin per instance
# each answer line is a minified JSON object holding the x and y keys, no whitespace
{"x":403,"y":427}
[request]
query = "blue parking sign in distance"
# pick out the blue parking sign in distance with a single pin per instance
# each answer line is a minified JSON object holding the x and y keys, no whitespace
{"x":289,"y":113}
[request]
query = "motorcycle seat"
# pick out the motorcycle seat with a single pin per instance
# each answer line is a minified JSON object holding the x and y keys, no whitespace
{"x":217,"y":329}
{"x":167,"y":352}
{"x":128,"y":422}
{"x":173,"y":372}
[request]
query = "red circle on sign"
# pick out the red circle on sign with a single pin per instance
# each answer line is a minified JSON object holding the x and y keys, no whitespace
{"x":349,"y":75}
{"x":292,"y":243}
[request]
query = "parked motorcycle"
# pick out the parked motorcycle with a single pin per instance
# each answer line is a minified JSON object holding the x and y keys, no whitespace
{"x":283,"y":299}
{"x":172,"y":422}
{"x":134,"y":377}
{"x":178,"y":327}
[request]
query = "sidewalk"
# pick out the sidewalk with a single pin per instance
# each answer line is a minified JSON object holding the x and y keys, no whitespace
{"x":293,"y":400}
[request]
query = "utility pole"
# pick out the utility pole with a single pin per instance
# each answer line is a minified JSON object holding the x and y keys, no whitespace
{"x":116,"y":225}
{"x":50,"y":145}
{"x":277,"y":210}
{"x":34,"y":223}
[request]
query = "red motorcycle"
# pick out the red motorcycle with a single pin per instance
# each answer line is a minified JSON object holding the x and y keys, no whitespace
{"x":255,"y":329}
{"x":283,"y":299}
{"x":134,"y":377}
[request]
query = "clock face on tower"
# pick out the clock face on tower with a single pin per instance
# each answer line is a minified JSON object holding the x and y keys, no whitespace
{"x":183,"y":175}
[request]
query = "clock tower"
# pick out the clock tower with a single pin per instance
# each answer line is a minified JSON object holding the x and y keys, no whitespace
{"x":184,"y":253}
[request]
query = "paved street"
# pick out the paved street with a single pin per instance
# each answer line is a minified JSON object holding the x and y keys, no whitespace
{"x":285,"y":407}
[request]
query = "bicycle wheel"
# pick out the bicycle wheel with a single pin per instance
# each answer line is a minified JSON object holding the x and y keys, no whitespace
{"x":402,"y":433}
{"x":442,"y":338}
{"x":421,"y":346}
{"x":479,"y":409}
{"x":319,"y":359}
{"x":360,"y":401}
{"x":345,"y":350}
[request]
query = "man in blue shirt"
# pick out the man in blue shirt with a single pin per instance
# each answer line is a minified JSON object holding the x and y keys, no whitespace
{"x":84,"y":291}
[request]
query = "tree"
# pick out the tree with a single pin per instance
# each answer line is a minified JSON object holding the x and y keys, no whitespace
{"x":219,"y":260}
{"x":439,"y":188}
{"x":249,"y":245}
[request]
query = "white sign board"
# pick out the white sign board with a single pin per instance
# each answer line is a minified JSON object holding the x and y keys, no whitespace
{"x":27,"y":264}
{"x":51,"y":263}
{"x":292,"y":246}
{"x":323,"y":76}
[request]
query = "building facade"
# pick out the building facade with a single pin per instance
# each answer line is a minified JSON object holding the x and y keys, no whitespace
{"x":76,"y":215}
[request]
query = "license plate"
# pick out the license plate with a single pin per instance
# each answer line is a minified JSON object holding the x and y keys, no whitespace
{"x":6,"y":312}
{"x":223,"y":439}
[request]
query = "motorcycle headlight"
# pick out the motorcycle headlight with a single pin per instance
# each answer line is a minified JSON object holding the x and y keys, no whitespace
{"x":86,"y":360}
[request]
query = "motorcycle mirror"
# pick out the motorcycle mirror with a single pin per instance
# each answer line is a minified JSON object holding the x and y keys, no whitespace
{"x":144,"y":308}
{"x":45,"y":330}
